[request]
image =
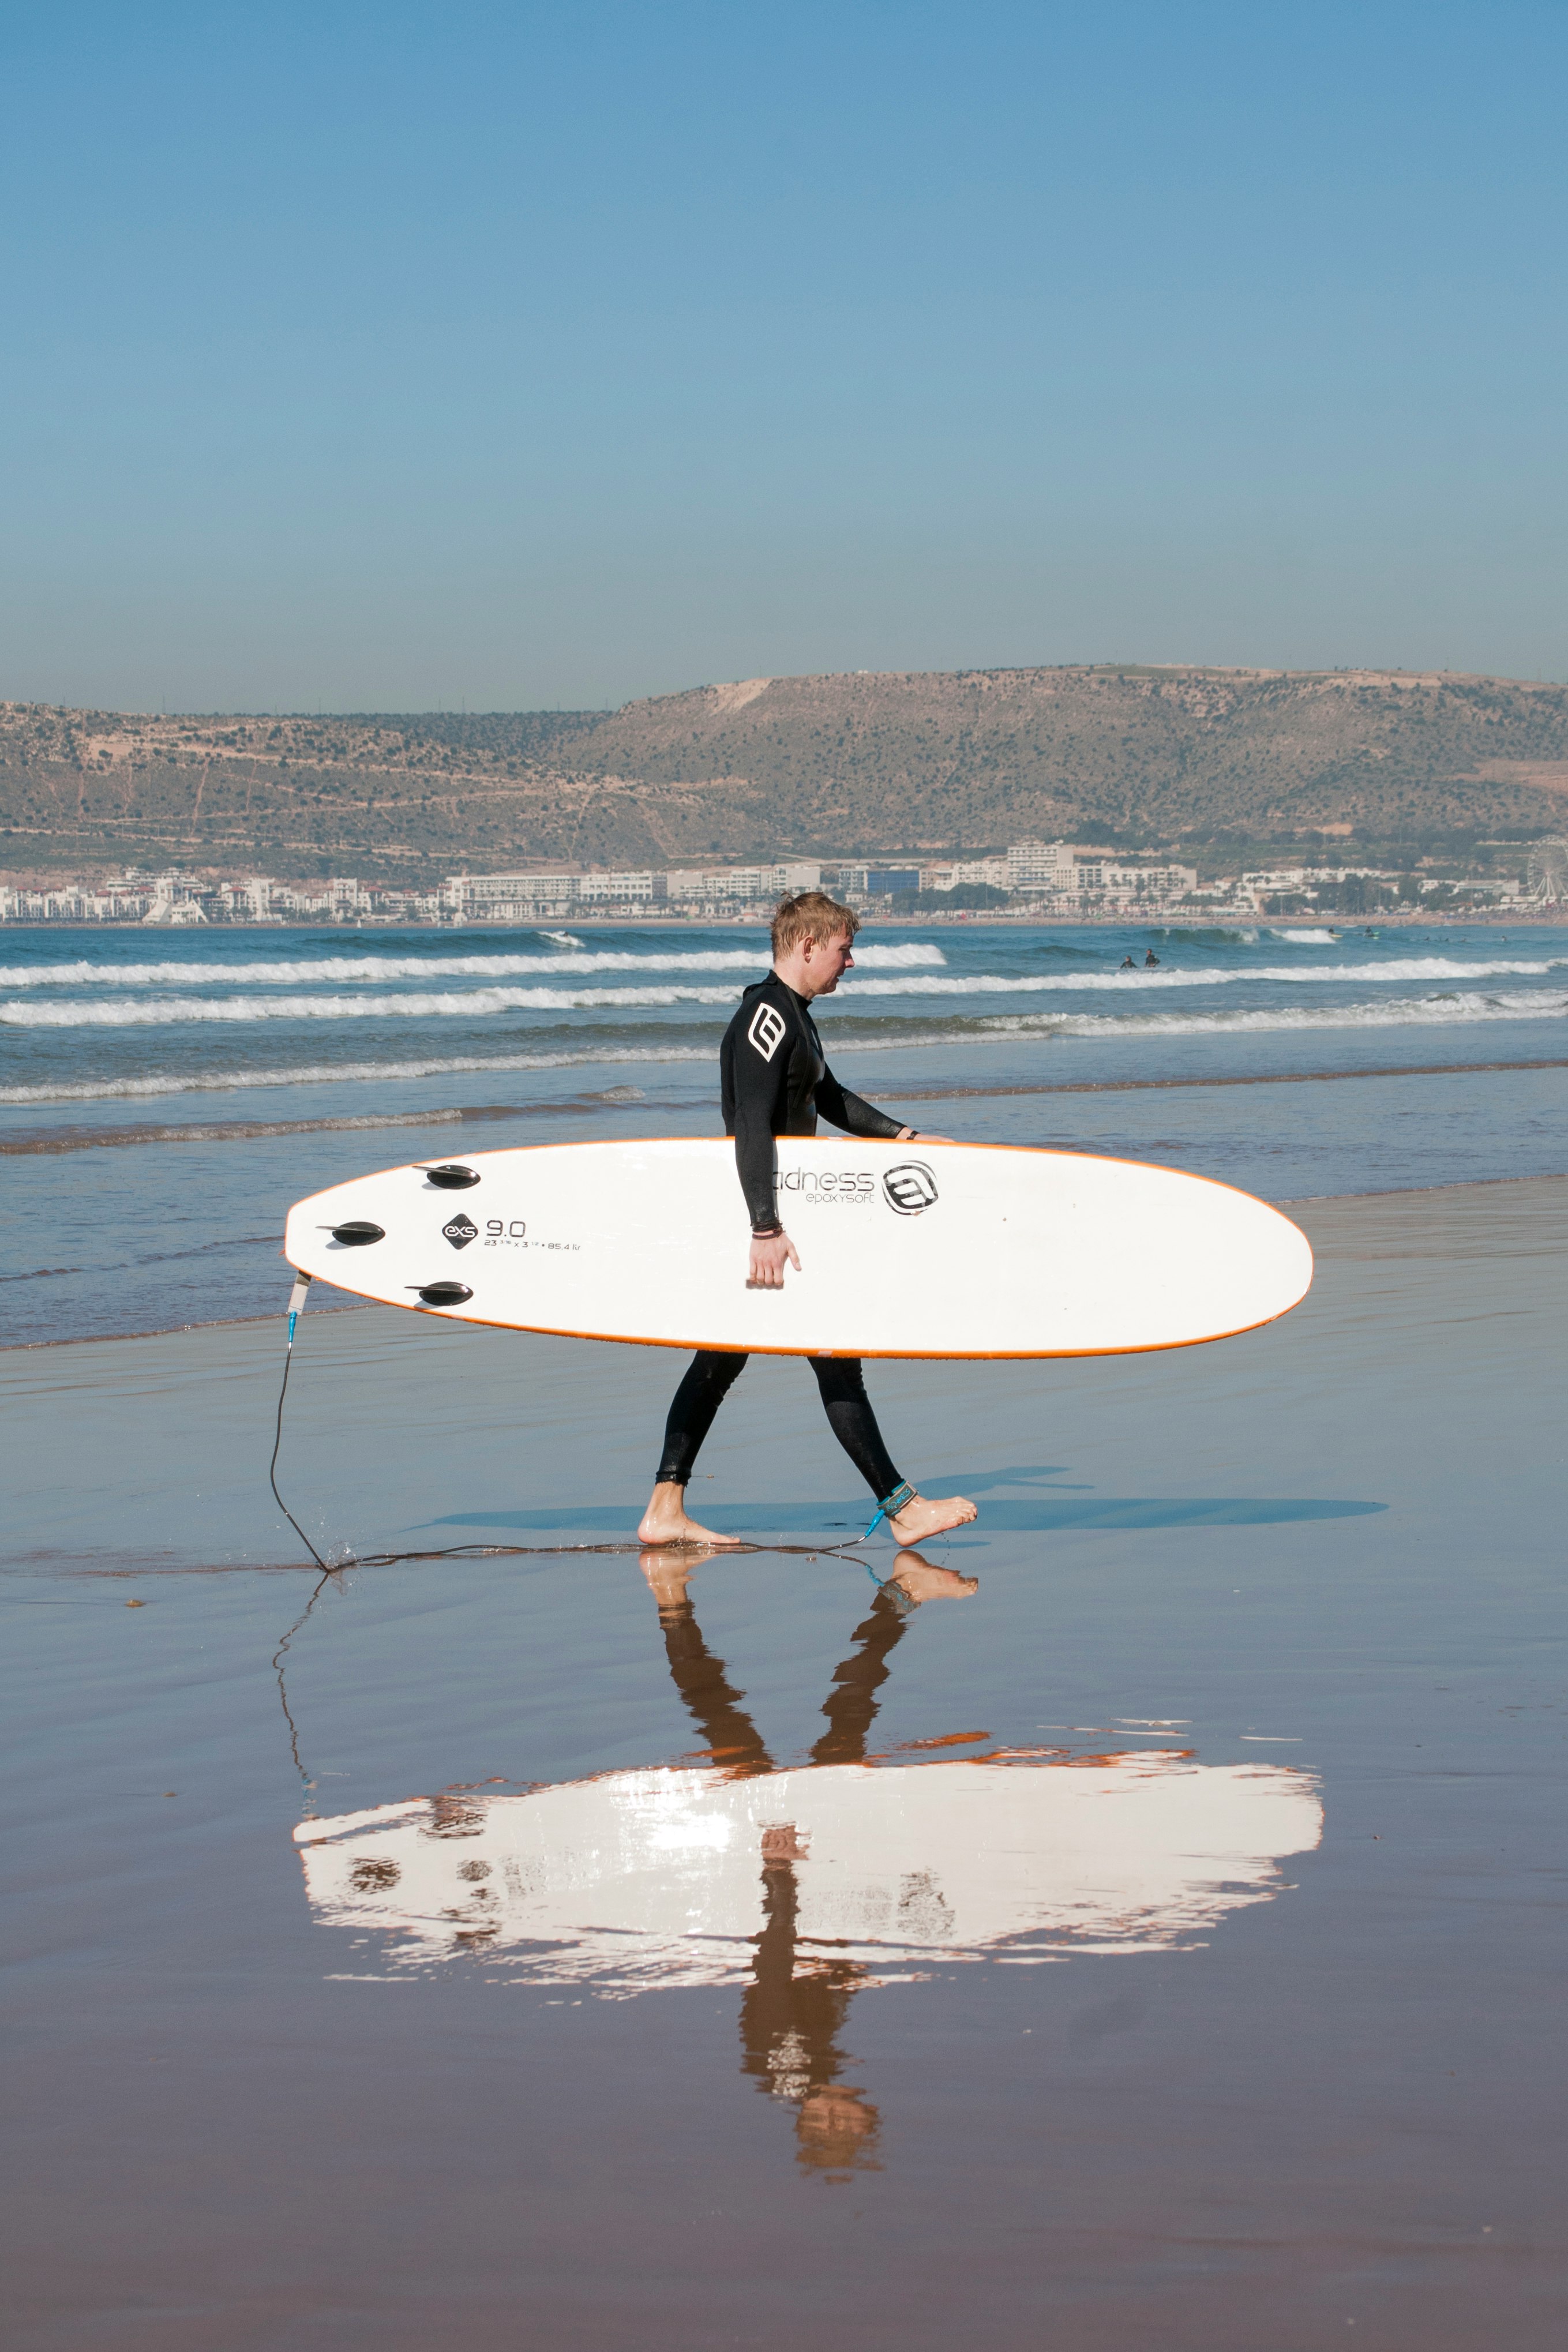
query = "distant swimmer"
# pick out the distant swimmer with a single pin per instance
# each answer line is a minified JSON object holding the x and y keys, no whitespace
{"x":776,"y":1081}
{"x":1151,"y":961}
{"x":1127,"y":964}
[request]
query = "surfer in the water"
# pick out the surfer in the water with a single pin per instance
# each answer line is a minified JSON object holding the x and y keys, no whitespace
{"x":776,"y":1081}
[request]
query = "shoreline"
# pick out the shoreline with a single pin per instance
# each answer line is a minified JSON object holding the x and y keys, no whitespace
{"x":62,"y":1140}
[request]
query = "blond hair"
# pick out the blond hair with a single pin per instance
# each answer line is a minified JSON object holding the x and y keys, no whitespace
{"x":811,"y":915}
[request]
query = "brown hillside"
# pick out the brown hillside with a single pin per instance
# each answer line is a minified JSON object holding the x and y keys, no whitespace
{"x":833,"y":764}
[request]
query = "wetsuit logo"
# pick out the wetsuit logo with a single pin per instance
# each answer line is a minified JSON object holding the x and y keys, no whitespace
{"x":461,"y":1230}
{"x":767,"y":1031}
{"x":909,"y":1188}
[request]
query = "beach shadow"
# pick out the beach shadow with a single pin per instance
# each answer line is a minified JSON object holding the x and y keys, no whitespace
{"x":1040,"y":1514}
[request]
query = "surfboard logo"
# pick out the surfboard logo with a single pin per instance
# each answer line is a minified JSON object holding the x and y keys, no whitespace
{"x":909,"y":1188}
{"x":461,"y":1230}
{"x":767,"y":1031}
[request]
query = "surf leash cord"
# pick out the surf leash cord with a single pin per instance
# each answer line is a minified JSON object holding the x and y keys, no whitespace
{"x":467,"y":1550}
{"x":296,"y":1303}
{"x":890,"y":1505}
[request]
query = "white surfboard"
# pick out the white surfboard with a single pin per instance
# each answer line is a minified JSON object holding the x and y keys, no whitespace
{"x":906,"y":1249}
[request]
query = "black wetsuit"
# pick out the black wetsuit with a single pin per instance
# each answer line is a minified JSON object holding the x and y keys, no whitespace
{"x":776,"y":1081}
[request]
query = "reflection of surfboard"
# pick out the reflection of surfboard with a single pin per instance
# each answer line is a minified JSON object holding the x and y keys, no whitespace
{"x":655,"y":1878}
{"x":907,"y":1249}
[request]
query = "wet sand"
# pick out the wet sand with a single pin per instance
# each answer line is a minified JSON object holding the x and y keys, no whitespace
{"x":1136,"y":1926}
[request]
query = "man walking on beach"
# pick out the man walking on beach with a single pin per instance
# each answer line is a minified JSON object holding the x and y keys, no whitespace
{"x":776,"y":1081}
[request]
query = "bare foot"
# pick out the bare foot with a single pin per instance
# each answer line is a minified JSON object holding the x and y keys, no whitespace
{"x":664,"y":1520}
{"x":923,"y":1518}
{"x":922,"y":1581}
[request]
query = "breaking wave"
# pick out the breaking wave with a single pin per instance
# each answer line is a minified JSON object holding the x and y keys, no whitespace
{"x":158,"y":1012}
{"x":119,"y":1012}
{"x":319,"y":1074}
{"x":346,"y":970}
{"x":1449,"y":1009}
{"x":1140,"y":981}
{"x":1400,"y":1012}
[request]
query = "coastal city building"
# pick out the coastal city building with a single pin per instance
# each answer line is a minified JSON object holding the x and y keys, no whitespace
{"x":520,"y":897}
{"x":1369,"y":890}
{"x":857,"y":882}
{"x":1062,"y":878}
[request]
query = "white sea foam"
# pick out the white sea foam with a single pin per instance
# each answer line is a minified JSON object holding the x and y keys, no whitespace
{"x":1454,"y":1006}
{"x":322,"y":1073}
{"x":345,"y":970}
{"x":119,"y":1012}
{"x":1433,"y":1011}
{"x":160,"y":1011}
{"x":1301,"y":939}
{"x":1206,"y":976}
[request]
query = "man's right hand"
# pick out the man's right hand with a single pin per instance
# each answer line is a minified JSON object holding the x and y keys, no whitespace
{"x":770,"y":1254}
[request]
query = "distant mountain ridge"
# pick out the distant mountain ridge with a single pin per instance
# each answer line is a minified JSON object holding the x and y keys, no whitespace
{"x":840,"y":764}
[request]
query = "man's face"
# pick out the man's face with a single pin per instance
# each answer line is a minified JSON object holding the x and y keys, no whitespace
{"x":827,"y":961}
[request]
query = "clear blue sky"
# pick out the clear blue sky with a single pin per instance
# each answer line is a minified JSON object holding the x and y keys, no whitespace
{"x":392,"y":356}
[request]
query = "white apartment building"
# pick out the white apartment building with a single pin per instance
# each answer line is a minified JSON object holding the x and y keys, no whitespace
{"x":1100,"y":876}
{"x":502,"y":897}
{"x":619,"y":886}
{"x":521,"y":898}
{"x":1504,"y":888}
{"x":250,"y":901}
{"x":1059,"y":869}
{"x":1035,"y":868}
{"x":743,"y":885}
{"x":1029,"y":869}
{"x":68,"y":905}
{"x":1507,"y":890}
{"x":509,"y":897}
{"x":1298,"y":878}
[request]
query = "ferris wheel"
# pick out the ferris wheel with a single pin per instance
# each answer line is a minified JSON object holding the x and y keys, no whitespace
{"x":1546,"y":879}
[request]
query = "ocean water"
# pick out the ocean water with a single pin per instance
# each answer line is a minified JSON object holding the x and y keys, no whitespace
{"x":164,"y":1096}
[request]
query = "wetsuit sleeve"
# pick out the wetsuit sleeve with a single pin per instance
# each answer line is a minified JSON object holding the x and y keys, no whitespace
{"x":850,"y":1112}
{"x":761,"y":1070}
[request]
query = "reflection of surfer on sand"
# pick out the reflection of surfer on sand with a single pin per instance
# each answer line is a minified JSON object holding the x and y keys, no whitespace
{"x":791,"y":2014}
{"x":776,"y":1082}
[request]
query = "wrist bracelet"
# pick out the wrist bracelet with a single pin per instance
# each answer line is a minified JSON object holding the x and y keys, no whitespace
{"x":766,"y":1232}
